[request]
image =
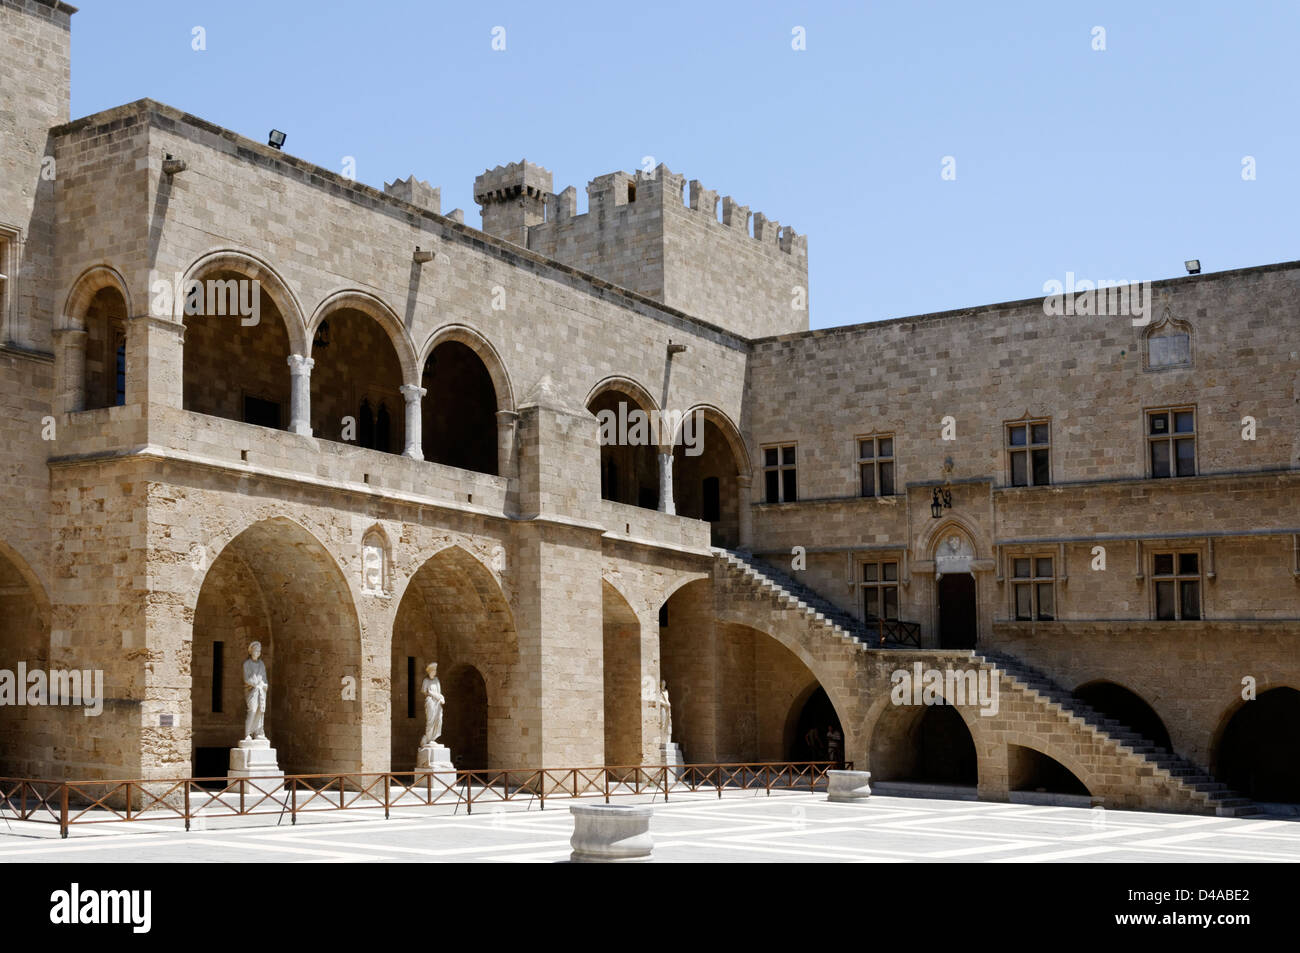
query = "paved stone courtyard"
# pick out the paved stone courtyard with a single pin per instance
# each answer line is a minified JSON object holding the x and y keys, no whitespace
{"x":738,"y":828}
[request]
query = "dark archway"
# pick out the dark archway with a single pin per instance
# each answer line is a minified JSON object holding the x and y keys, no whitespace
{"x":105,"y":371}
{"x":811,"y":736}
{"x":356,"y":383}
{"x":705,"y":484}
{"x":629,"y":463}
{"x":276,"y":584}
{"x":24,"y":638}
{"x":1258,"y":754}
{"x":459,"y":409}
{"x":465,"y":721}
{"x":923,"y":743}
{"x":958,"y":621}
{"x":235,"y":370}
{"x":1126,"y":707}
{"x":1031,"y":770}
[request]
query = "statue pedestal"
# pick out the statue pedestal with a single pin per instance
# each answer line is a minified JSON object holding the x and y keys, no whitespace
{"x":256,"y":758}
{"x":435,"y":759}
{"x":673,"y":757}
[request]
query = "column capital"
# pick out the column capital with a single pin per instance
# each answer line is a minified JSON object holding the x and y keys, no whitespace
{"x":71,"y":333}
{"x":299,"y":364}
{"x":508,"y":416}
{"x":744,"y":479}
{"x":413,"y":392}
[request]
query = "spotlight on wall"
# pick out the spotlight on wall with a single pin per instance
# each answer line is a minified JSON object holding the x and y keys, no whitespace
{"x":276,"y":139}
{"x":173,"y":165}
{"x":676,"y":348}
{"x":1193,"y":266}
{"x":422,"y":257}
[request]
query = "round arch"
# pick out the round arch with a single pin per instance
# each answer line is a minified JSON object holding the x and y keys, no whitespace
{"x":1085,"y":777}
{"x":487,"y":353}
{"x":88,"y":284}
{"x":624,"y":385}
{"x":353,"y":299}
{"x":1257,"y":745}
{"x":1118,"y":701}
{"x":729,"y":431}
{"x":276,"y":583}
{"x":452,"y":610}
{"x":269,"y":280}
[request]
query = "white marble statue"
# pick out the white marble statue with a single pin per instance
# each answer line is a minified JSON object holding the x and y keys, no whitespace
{"x":434,"y":701}
{"x":256,"y":690}
{"x":665,"y":712}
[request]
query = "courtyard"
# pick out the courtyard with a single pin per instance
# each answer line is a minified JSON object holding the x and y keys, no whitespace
{"x":740,"y":827}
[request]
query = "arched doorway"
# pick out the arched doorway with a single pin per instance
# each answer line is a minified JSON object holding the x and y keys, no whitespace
{"x":465,"y":719}
{"x":814,"y":718}
{"x":454,"y":612}
{"x":958,"y":620}
{"x":1126,"y":707}
{"x":629,"y":460}
{"x":276,"y":584}
{"x":459,"y":409}
{"x":1258,"y":753}
{"x":923,"y":743}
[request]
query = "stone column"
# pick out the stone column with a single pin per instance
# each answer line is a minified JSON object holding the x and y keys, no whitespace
{"x":666,"y":504}
{"x":70,"y":363}
{"x":745,"y":514}
{"x":507,"y":465}
{"x":300,"y":394}
{"x":414,"y":421}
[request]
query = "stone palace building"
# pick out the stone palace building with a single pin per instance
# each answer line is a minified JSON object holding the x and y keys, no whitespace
{"x":243,"y":397}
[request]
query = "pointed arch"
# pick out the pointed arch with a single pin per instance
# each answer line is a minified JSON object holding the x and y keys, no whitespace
{"x":729,"y":431}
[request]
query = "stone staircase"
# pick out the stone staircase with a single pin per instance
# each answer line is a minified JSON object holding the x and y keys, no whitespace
{"x":1143,"y":755}
{"x":1200,"y":785}
{"x":785,"y":591}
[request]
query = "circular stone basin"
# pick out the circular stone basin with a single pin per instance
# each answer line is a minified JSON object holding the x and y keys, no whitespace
{"x":611,"y":833}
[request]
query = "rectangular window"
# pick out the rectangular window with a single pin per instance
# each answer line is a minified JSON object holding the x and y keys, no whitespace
{"x":1029,"y":452}
{"x":1171,"y":439}
{"x":880,"y":590}
{"x":119,"y":366}
{"x":410,"y":686}
{"x":876,"y":465}
{"x":779,"y":482}
{"x":1176,"y":578}
{"x":218,"y":660}
{"x":1034,"y":588}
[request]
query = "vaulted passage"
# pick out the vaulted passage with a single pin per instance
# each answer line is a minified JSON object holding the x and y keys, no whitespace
{"x":738,"y":694}
{"x":816,"y":733}
{"x":276,"y":584}
{"x":928,"y":743}
{"x":234,"y":370}
{"x":459,"y":409}
{"x":1259,"y":752}
{"x":454,"y":613}
{"x":356,"y":383}
{"x":1126,"y":707}
{"x":24,"y":637}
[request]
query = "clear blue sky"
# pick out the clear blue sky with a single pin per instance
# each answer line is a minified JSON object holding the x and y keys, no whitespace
{"x":1115,"y":164}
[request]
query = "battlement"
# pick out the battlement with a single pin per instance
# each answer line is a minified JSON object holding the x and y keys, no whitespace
{"x":648,"y":232}
{"x":417,"y":192}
